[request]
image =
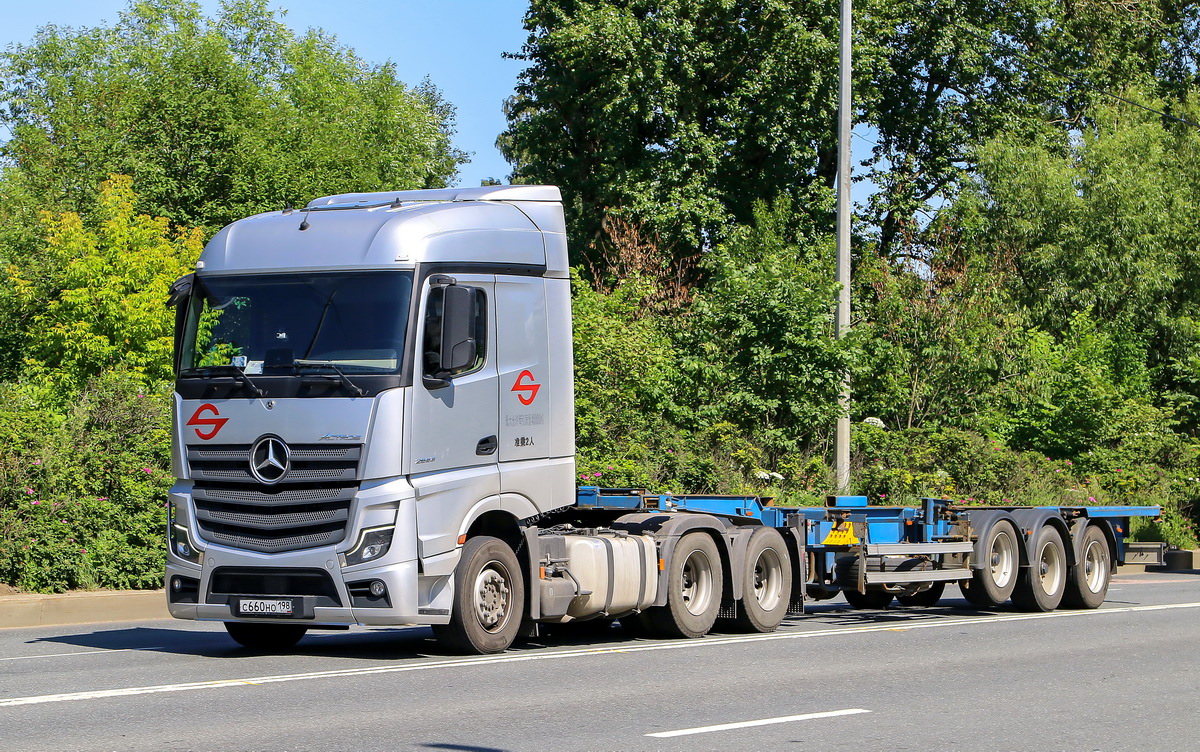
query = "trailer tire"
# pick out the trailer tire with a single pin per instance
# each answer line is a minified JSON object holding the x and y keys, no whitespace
{"x":995,"y":582}
{"x":766,"y":582}
{"x":925,"y":598}
{"x":694,"y":585}
{"x":1042,"y":584}
{"x":879,"y":599}
{"x":265,"y":637}
{"x":489,"y":599}
{"x":1087,"y":581}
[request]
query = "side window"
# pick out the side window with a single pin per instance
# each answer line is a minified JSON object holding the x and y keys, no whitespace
{"x":432,"y":340}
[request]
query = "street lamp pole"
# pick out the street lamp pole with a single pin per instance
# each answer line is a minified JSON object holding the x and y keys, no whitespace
{"x":841,"y":464}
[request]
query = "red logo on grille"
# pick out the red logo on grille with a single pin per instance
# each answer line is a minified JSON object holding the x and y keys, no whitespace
{"x":216,"y":423}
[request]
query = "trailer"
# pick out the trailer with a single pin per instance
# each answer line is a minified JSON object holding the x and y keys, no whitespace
{"x":374,"y":425}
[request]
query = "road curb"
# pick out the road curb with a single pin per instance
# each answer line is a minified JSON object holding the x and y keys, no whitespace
{"x":36,"y":610}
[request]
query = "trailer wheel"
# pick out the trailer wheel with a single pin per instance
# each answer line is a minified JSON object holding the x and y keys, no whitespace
{"x":693,"y":590}
{"x":871,"y":599}
{"x":766,"y":582}
{"x":1041,"y":586}
{"x":489,"y":599}
{"x":925,"y":598}
{"x":996,"y":581}
{"x":1087,"y":582}
{"x":265,"y":637}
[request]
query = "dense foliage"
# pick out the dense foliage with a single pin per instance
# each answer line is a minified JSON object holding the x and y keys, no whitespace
{"x":128,"y":145}
{"x":1026,"y":279}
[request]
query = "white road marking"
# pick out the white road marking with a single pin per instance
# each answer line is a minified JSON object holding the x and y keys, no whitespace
{"x":550,"y":655}
{"x":81,"y":652}
{"x":763,"y":722}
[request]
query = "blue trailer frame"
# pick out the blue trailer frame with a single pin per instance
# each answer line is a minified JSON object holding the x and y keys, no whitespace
{"x":945,"y":537}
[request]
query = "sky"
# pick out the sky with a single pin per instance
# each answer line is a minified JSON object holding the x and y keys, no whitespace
{"x":456,"y":43}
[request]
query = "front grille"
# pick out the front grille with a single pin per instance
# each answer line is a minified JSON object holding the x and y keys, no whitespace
{"x":307,"y":508}
{"x":230,"y":581}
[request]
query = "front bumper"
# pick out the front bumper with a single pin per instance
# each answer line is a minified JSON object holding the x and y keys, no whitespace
{"x":334,"y":608}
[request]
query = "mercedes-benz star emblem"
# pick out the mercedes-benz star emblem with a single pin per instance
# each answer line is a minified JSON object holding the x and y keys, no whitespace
{"x":269,"y":459}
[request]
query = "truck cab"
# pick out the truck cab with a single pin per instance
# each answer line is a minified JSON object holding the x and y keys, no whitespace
{"x":362,"y":385}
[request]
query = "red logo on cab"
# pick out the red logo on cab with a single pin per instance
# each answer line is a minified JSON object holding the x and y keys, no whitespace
{"x":526,"y":388}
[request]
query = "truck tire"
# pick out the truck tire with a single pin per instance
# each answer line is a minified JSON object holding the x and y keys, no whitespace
{"x":265,"y":637}
{"x":1087,"y":582}
{"x":766,"y":582}
{"x":925,"y":598}
{"x":694,"y":588}
{"x":1042,"y":584}
{"x":995,"y":582}
{"x":489,"y":599}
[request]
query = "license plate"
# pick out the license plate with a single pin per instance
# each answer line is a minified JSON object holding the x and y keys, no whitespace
{"x":268,"y":607}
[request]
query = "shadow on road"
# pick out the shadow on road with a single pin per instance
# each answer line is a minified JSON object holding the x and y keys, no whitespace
{"x":417,"y":642}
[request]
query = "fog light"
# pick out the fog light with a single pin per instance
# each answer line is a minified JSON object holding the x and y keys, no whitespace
{"x":372,"y":545}
{"x":176,"y":584}
{"x":378,"y":588}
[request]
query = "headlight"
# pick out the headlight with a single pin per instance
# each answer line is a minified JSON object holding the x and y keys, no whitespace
{"x":372,"y":544}
{"x":180,"y":542}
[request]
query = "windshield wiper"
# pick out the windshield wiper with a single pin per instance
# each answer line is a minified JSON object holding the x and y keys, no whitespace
{"x":239,"y":376}
{"x":301,"y":363}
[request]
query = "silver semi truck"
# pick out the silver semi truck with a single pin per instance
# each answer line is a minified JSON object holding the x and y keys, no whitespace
{"x":374,"y":425}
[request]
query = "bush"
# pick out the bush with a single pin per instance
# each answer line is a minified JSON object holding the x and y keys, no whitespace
{"x":84,"y":491}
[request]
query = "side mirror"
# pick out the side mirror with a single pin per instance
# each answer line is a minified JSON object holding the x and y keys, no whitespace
{"x":178,"y":297}
{"x":458,"y":327}
{"x":180,"y":291}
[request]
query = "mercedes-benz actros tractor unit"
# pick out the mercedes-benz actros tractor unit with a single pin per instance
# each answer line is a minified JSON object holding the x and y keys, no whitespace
{"x":374,"y":425}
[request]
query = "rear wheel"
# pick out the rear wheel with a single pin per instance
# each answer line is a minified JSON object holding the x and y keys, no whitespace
{"x":265,"y":637}
{"x":489,"y":599}
{"x":766,"y":582}
{"x":1087,"y":582}
{"x":994,"y":583}
{"x":1042,"y":585}
{"x":693,"y":590}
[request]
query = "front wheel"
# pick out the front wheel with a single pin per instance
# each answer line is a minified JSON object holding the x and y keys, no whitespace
{"x":1087,"y":583}
{"x":694,"y":588}
{"x":265,"y":637}
{"x":489,"y":598}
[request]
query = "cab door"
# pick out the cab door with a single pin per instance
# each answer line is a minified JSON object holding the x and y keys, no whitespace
{"x":455,"y":415}
{"x":452,"y":442}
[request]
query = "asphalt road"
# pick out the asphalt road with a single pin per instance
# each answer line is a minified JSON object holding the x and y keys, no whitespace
{"x":1123,"y":677}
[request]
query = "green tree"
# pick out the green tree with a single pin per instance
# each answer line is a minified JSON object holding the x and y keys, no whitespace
{"x":1108,"y":226}
{"x":675,"y":115}
{"x":759,"y":352}
{"x":938,"y":79}
{"x":93,"y":299}
{"x":214,"y":119}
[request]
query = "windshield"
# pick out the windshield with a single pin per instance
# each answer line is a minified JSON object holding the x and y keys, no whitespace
{"x":286,"y":323}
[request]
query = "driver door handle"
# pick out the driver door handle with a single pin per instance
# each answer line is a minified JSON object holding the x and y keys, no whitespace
{"x":486,"y":446}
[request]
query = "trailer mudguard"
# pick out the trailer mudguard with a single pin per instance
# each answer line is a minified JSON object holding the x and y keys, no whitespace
{"x":667,"y":529}
{"x":1079,"y":527}
{"x":1030,"y":520}
{"x":981,"y":521}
